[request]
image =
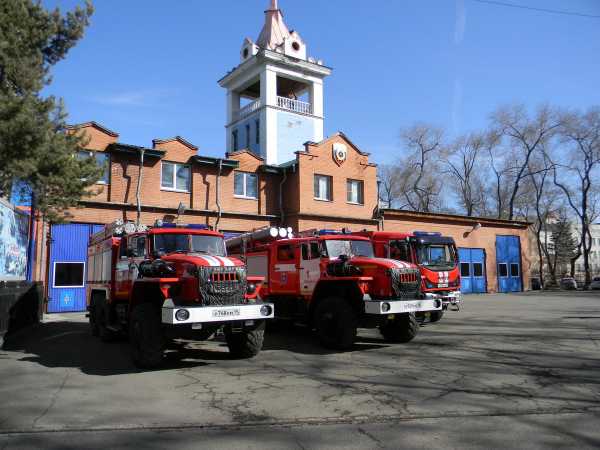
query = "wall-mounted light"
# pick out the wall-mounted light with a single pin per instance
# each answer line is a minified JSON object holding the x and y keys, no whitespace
{"x":476,"y":227}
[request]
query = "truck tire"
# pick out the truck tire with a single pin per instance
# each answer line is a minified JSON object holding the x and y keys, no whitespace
{"x":403,"y":328}
{"x":436,"y":316}
{"x":336,"y":323}
{"x":246,"y":343}
{"x":94,"y":329}
{"x":100,"y":313}
{"x":146,"y":336}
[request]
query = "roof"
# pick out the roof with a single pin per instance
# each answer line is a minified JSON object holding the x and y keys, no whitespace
{"x":95,"y":125}
{"x":135,"y":150}
{"x":175,"y":139}
{"x":274,"y":31}
{"x":211,"y":161}
{"x":490,"y":221}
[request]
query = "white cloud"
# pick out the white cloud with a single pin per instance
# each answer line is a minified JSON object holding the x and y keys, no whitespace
{"x":147,"y":97}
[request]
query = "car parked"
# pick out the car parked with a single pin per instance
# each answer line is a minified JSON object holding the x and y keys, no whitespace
{"x":595,"y":284}
{"x":568,"y":283}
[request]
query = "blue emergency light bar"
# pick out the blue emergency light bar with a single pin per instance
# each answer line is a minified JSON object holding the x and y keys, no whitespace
{"x":427,"y":233}
{"x":333,"y":232}
{"x":193,"y":226}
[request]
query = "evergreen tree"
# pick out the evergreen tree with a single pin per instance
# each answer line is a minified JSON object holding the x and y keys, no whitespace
{"x":563,"y":244}
{"x":35,"y":149}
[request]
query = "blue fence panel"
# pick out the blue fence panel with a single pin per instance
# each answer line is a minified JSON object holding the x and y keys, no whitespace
{"x":508,"y":264}
{"x":68,"y":260}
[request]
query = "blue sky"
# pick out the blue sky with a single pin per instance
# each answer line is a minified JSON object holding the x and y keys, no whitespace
{"x":149,"y":69}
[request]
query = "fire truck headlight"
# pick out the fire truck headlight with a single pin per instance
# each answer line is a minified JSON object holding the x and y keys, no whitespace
{"x":385,"y":307}
{"x":182,"y":315}
{"x":251,"y":288}
{"x":266,"y":310}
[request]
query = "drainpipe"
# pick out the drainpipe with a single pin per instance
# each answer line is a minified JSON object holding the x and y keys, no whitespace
{"x":139,"y":185}
{"x":378,"y":214}
{"x":281,"y":212}
{"x":218,"y":194}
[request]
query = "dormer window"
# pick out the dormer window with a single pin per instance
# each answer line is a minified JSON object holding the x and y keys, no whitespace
{"x":246,"y":52}
{"x":295,"y":46}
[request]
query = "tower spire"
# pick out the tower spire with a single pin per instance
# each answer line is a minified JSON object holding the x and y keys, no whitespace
{"x":274,"y":31}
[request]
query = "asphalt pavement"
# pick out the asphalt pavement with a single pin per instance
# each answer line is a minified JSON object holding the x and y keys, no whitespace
{"x":507,"y":371}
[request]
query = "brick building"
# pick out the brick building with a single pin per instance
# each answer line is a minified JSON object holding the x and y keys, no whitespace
{"x":278,"y":169}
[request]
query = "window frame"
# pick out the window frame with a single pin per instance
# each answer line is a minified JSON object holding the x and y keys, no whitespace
{"x":468,"y":266}
{"x":92,"y":154}
{"x":505,"y":272}
{"x":175,"y":166}
{"x":478,"y":264}
{"x":235,"y":140}
{"x":330,"y":187}
{"x":54,"y":286}
{"x":360,"y":192}
{"x":518,"y":266}
{"x":257,"y":134}
{"x":246,"y":175}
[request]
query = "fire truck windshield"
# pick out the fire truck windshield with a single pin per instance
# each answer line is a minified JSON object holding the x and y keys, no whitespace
{"x":350,"y":248}
{"x":441,"y":255}
{"x":192,"y":243}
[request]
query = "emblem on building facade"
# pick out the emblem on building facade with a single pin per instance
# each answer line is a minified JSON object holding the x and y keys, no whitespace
{"x":340,"y":153}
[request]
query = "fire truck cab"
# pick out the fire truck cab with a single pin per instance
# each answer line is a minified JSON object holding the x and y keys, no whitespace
{"x":170,"y":281}
{"x":434,"y":254}
{"x":332,"y":281}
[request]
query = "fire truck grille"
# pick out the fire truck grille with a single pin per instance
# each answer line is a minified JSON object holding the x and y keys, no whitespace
{"x":406,"y":282}
{"x":222,"y":286}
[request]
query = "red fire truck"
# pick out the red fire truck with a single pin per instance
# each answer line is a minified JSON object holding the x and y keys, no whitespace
{"x":435,"y":255}
{"x":170,"y":281}
{"x":332,"y":281}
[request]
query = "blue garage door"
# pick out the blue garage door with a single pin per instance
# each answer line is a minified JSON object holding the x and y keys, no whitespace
{"x":508,"y":260}
{"x":68,"y":259}
{"x":472,"y":270}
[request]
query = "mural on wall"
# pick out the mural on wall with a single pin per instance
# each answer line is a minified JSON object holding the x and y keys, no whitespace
{"x":14,"y":227}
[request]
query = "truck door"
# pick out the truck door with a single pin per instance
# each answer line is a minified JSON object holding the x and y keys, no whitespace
{"x":310,"y":269}
{"x":127,"y":267}
{"x":122,"y":271}
{"x":283,"y":278}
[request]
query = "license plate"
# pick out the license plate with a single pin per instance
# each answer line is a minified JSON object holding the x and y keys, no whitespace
{"x":230,"y":312}
{"x":443,"y":285}
{"x":196,"y":326}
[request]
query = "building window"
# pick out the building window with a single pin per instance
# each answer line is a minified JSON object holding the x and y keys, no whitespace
{"x":245,"y":185}
{"x":248,"y":135}
{"x":68,"y":274}
{"x":477,"y":269}
{"x":234,"y":140}
{"x":355,"y":192}
{"x":102,"y":159}
{"x":514,"y":270}
{"x":323,"y":187}
{"x":503,"y":270}
{"x":175,"y":177}
{"x":465,"y":270}
{"x":257,"y":124}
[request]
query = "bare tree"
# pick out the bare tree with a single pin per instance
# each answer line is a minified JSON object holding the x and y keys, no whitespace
{"x":522,"y":137}
{"x":576,"y":176}
{"x":389,"y":185}
{"x":464,"y":164}
{"x":419,"y":185}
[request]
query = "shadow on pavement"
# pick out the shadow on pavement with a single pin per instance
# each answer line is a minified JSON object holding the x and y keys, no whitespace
{"x":69,"y":344}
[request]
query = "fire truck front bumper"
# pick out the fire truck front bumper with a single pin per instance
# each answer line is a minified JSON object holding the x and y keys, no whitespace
{"x":452,"y":298}
{"x":184,"y":315}
{"x":382,"y":307}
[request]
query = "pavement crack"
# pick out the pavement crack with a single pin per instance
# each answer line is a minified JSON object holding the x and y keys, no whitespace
{"x":377,"y":442}
{"x":52,"y":400}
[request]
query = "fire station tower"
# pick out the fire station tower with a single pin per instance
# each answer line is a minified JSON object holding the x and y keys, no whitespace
{"x":275,"y":95}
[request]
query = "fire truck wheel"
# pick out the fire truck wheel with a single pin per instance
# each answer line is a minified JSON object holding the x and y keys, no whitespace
{"x":146,"y":336}
{"x":94,"y":329}
{"x":403,"y":328}
{"x":335,"y":321}
{"x":436,"y":316}
{"x":246,"y":343}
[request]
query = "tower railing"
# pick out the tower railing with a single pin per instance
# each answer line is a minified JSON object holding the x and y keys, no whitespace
{"x":246,"y":110}
{"x":294,"y":105}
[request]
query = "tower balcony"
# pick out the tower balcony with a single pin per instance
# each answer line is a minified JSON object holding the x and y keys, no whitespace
{"x":246,"y":110}
{"x":294,"y":105}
